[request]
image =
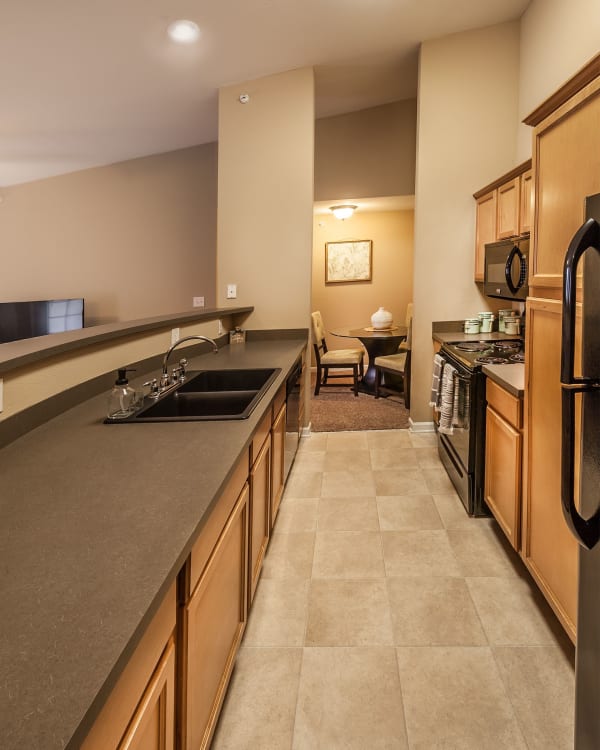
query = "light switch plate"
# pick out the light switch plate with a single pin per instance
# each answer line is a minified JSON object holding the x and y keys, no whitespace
{"x":231,"y":291}
{"x":198,"y":301}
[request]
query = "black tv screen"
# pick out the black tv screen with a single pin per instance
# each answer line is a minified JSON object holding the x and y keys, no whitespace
{"x":24,"y":320}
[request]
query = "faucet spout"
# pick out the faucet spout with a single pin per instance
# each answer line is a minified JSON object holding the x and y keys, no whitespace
{"x":180,"y":341}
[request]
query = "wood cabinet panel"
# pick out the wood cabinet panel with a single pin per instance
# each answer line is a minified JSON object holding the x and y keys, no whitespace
{"x":526,"y":209}
{"x":215,"y":618}
{"x":567,"y":168}
{"x":503,"y":474}
{"x":548,"y":549}
{"x":277,"y":462}
{"x":486,"y":210}
{"x":509,"y":203}
{"x":260,"y":502}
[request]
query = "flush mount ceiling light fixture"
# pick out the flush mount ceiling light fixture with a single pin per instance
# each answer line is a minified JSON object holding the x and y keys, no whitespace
{"x":183,"y":31}
{"x":344,"y":211}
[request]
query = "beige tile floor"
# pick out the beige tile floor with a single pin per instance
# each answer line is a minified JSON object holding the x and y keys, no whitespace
{"x":386,"y":618}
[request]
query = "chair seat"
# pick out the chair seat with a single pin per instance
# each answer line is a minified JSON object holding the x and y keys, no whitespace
{"x":395,"y":362}
{"x":342,"y":356}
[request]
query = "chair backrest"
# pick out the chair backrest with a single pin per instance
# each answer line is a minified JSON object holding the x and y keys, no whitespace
{"x":318,"y":328}
{"x":409,"y":314}
{"x":408,"y":345}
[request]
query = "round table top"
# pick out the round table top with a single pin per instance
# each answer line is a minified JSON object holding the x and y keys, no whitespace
{"x":399,"y":332}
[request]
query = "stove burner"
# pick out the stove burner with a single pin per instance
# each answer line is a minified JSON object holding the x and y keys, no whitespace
{"x":479,"y":346}
{"x":520,"y":357}
{"x":507,"y":346}
{"x":491,"y":360}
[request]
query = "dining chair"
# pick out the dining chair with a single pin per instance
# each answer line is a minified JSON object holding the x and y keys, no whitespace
{"x":408,"y":317}
{"x":337,"y":359}
{"x":396,"y":364}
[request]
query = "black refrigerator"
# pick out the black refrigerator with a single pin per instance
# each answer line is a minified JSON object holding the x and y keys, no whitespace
{"x":581,"y":462}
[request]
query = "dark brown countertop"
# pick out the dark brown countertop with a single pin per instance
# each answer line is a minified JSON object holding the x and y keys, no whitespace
{"x":510,"y":377}
{"x":97,"y":520}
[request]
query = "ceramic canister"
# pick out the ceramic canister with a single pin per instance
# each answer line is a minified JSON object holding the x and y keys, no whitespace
{"x":472,"y":325}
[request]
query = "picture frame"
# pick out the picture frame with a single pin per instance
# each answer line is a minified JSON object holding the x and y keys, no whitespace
{"x":348,"y":261}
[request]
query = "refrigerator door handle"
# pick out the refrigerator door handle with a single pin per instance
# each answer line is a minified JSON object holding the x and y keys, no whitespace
{"x":586,"y":531}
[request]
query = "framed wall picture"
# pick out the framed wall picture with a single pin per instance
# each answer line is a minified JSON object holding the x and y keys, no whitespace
{"x":348,"y":261}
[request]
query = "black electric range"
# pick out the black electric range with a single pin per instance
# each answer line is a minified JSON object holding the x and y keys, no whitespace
{"x":462,"y":449}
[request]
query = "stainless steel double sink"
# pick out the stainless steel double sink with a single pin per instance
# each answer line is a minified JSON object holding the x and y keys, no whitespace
{"x":209,"y":395}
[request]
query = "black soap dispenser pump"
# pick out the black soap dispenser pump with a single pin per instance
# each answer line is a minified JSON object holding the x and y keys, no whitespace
{"x":123,"y":399}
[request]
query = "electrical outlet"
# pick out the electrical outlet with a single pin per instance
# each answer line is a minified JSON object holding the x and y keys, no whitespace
{"x":231,"y":291}
{"x":1,"y":394}
{"x":174,"y":335}
{"x":198,"y":301}
{"x":220,"y":328}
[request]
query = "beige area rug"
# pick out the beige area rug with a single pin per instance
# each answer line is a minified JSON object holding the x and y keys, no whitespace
{"x":337,"y":409}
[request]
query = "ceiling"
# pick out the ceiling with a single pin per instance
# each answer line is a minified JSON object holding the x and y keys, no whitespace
{"x":95,"y":82}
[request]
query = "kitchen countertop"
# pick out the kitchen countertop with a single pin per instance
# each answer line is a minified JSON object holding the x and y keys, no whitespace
{"x":97,"y":520}
{"x":510,"y":377}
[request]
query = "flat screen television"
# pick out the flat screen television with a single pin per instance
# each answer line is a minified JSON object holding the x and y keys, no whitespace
{"x":24,"y":320}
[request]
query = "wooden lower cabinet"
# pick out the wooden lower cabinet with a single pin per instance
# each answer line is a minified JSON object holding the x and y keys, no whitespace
{"x":503,"y":454}
{"x":139,"y":714}
{"x":548,"y":548}
{"x":260,"y":501}
{"x":213,"y":625}
{"x":278,"y":457}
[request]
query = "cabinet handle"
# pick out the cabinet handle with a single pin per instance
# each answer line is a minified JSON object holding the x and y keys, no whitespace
{"x":586,"y":531}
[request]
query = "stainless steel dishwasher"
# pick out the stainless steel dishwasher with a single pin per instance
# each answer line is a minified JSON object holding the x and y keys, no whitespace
{"x":292,"y":428}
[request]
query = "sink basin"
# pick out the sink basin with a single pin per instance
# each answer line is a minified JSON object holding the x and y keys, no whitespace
{"x":226,"y":380}
{"x":210,"y":395}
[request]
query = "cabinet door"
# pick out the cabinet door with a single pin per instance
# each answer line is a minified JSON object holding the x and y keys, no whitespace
{"x":503,"y":474}
{"x":485,"y":230}
{"x":567,"y":168}
{"x":548,"y":548}
{"x":278,"y":435}
{"x":526,"y":209}
{"x":260,"y":501}
{"x":215,"y":618}
{"x":509,"y":202}
{"x":153,"y":725}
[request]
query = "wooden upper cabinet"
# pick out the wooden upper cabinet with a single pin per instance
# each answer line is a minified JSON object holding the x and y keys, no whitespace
{"x":526,"y":200}
{"x":509,"y":203}
{"x":503,"y":209}
{"x":485,"y":229}
{"x":567,"y":168}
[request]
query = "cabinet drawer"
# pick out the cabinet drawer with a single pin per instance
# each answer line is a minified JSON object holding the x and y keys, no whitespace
{"x":508,"y":406}
{"x":263,"y":429}
{"x":278,"y":401}
{"x":216,"y":522}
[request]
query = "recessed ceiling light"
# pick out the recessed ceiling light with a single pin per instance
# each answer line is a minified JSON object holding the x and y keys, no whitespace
{"x":183,"y":32}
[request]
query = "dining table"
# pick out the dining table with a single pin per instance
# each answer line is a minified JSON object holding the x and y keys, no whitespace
{"x":378,"y":343}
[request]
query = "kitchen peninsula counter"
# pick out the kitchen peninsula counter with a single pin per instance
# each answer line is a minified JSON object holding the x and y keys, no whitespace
{"x":97,"y":521}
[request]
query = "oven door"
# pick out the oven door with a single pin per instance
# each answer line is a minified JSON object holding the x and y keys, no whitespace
{"x":462,"y":452}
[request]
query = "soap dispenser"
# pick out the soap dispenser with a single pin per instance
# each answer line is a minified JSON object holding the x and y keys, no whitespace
{"x":123,"y":399}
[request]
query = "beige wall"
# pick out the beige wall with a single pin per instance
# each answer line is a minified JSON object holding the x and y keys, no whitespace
{"x":352,"y":304}
{"x":557,"y":38}
{"x":266,"y":197}
{"x":367,"y":153}
{"x":468,"y":96}
{"x":135,"y":239}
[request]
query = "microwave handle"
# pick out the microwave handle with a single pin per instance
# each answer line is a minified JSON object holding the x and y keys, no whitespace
{"x":507,"y":268}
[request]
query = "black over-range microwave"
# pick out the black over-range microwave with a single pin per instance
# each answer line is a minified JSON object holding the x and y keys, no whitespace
{"x":506,"y":268}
